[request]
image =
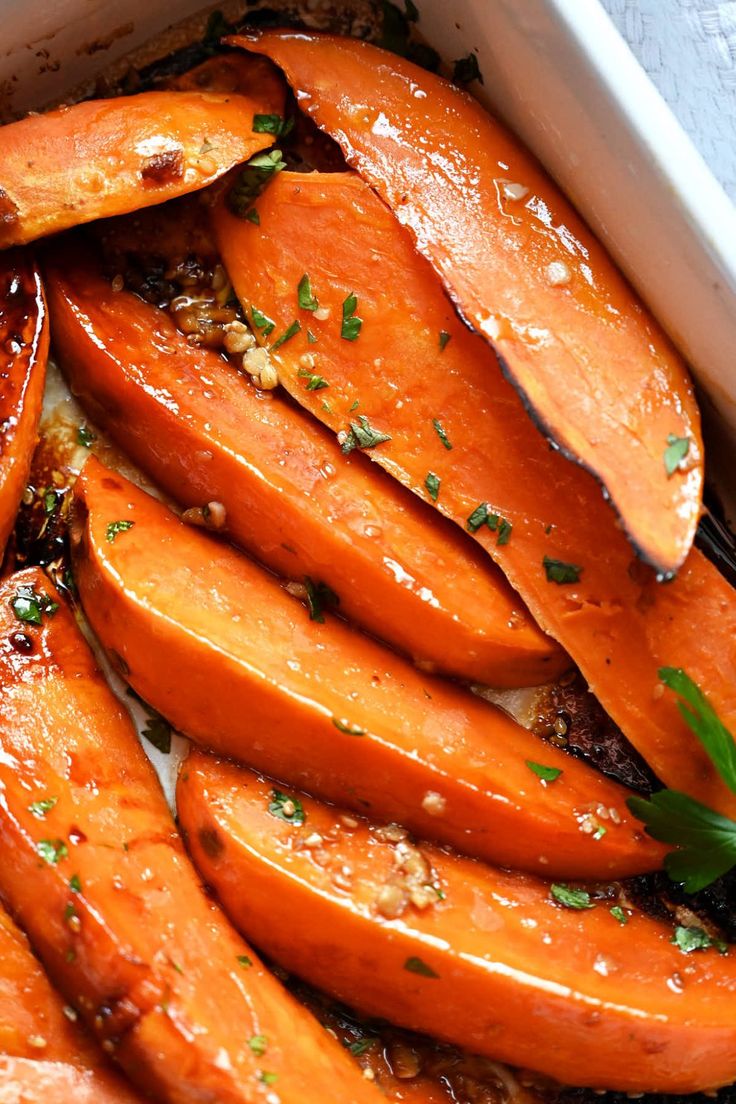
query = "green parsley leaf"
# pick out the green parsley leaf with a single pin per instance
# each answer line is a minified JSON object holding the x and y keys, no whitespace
{"x":695,"y":939}
{"x":286,"y":808}
{"x":466,"y":69}
{"x":479,"y":517}
{"x":268,"y":1078}
{"x":351,"y":324}
{"x":252,"y":216}
{"x":441,"y":434}
{"x":307,"y":301}
{"x":676,"y":451}
{"x":52,"y":851}
{"x":258,"y":1044}
{"x":30,"y":606}
{"x":547,"y":774}
{"x":311,"y":338}
{"x":39,"y":809}
{"x":158,"y":732}
{"x":444,"y":338}
{"x":245,"y":961}
{"x":85,"y":436}
{"x":702,"y":718}
{"x":362,"y":435}
{"x":50,"y":501}
{"x":432,"y":483}
{"x":272,"y":124}
{"x":504,"y":532}
{"x":417,"y":966}
{"x":354,"y":405}
{"x":360,"y":1046}
{"x":75,"y":884}
{"x":706,"y":840}
{"x":287,"y":335}
{"x":116,"y":527}
{"x":347,"y":728}
{"x":571,"y":898}
{"x":319,"y":596}
{"x":252,"y":179}
{"x":261,"y":321}
{"x":618,"y":914}
{"x":314,"y":382}
{"x":557,"y":571}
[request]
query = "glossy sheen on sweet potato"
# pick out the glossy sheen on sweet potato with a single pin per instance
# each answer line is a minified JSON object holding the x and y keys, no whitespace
{"x":496,"y":965}
{"x":617,"y":622}
{"x":217,"y":646}
{"x":107,"y":157}
{"x":24,"y":344}
{"x":100,"y":882}
{"x":202,"y":432}
{"x":39,"y":1043}
{"x":595,"y":369}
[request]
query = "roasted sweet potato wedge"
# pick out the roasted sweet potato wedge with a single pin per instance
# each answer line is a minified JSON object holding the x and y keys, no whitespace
{"x":217,"y":646}
{"x":107,"y":157}
{"x":481,"y":957}
{"x":246,"y":74}
{"x":449,"y":411}
{"x":197,"y":427}
{"x":24,"y":344}
{"x":41,"y":1044}
{"x":592,"y":365}
{"x":96,"y":875}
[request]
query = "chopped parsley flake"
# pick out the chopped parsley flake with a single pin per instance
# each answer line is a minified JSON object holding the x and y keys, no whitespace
{"x":50,"y":501}
{"x":261,"y":321}
{"x":432,"y":483}
{"x":618,"y":914}
{"x":417,"y":966}
{"x":272,"y":124}
{"x":362,"y":435}
{"x":444,"y":338}
{"x":307,"y":301}
{"x":504,"y":532}
{"x":253,"y":216}
{"x":287,"y":335}
{"x":360,"y":1046}
{"x":245,"y":961}
{"x":441,"y":434}
{"x":347,"y":728}
{"x":268,"y":1078}
{"x":314,"y":382}
{"x":286,"y":808}
{"x":30,"y":606}
{"x":676,"y":451}
{"x":546,"y":774}
{"x":311,"y":338}
{"x":557,"y":571}
{"x":319,"y":597}
{"x":695,"y":939}
{"x":571,"y":898}
{"x":85,"y":436}
{"x":75,"y":884}
{"x":52,"y":851}
{"x":258,"y":1044}
{"x":116,"y":527}
{"x":351,"y":324}
{"x":39,"y":809}
{"x":252,"y":179}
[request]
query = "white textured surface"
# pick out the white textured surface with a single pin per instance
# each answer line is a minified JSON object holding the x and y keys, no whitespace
{"x":688,"y":48}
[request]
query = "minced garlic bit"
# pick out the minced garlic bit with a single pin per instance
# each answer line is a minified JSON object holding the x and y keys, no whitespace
{"x":515,"y":191}
{"x":391,"y":901}
{"x":213,"y":515}
{"x":558,"y":274}
{"x":307,"y":360}
{"x":37,"y":1042}
{"x":238,"y":338}
{"x":434,"y":803}
{"x":257,"y":363}
{"x":322,"y":314}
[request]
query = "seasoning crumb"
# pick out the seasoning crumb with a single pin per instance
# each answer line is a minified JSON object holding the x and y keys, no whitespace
{"x":434,"y":803}
{"x":515,"y":191}
{"x":37,"y":1042}
{"x":558,"y":274}
{"x":322,"y":314}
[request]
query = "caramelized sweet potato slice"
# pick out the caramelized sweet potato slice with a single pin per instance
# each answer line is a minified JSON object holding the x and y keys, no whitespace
{"x":106,"y":157}
{"x":217,"y":646}
{"x":480,"y":957}
{"x":40,"y":1042}
{"x":246,"y":74}
{"x":564,"y":553}
{"x":595,"y":369}
{"x":96,"y":874}
{"x":24,"y":343}
{"x":197,"y":427}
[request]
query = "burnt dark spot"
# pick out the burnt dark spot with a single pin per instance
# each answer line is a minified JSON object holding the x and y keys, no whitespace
{"x":109,"y":483}
{"x":119,"y":663}
{"x":163,"y":168}
{"x":210,"y":842}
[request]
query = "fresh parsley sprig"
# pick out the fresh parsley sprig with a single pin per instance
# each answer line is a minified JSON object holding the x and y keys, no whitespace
{"x":705,"y":840}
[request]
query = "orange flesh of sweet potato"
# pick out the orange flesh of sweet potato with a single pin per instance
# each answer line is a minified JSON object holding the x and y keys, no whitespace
{"x":24,"y":343}
{"x":617,"y":622}
{"x":102,"y":886}
{"x":594,"y":368}
{"x":107,"y":157}
{"x":217,"y":646}
{"x":197,"y":426}
{"x":495,"y":965}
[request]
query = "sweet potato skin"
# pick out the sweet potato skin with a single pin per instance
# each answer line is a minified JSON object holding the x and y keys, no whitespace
{"x":203,"y":433}
{"x":107,"y":157}
{"x":102,"y":886}
{"x":219,"y":648}
{"x":595,"y":369}
{"x":617,"y":622}
{"x":495,"y":965}
{"x":24,"y":344}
